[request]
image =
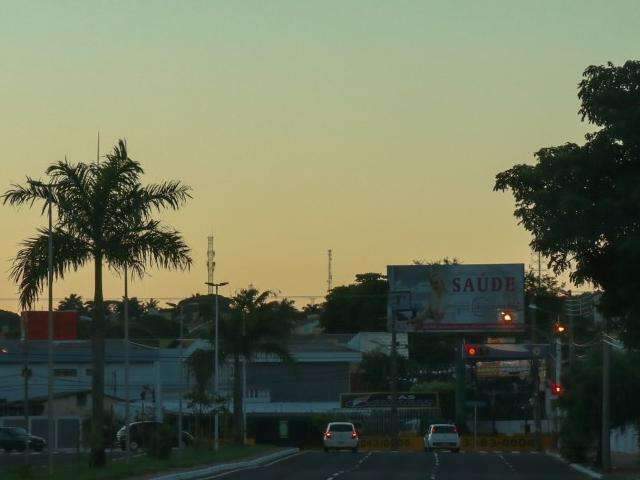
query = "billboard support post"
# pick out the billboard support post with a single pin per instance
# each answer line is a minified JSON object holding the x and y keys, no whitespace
{"x":460,"y":383}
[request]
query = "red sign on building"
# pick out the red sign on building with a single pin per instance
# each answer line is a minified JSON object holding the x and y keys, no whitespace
{"x":65,"y":325}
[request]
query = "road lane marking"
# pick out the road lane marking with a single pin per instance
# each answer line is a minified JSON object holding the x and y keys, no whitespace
{"x":283,"y":459}
{"x":507,"y":463}
{"x":235,"y":470}
{"x":333,"y":476}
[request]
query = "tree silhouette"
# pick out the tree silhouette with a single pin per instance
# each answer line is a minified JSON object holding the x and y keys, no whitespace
{"x":104,"y":216}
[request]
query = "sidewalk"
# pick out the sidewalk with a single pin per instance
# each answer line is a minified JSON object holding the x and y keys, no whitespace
{"x":625,"y":466}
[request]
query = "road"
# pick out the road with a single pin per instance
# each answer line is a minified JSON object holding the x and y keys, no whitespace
{"x":317,"y":465}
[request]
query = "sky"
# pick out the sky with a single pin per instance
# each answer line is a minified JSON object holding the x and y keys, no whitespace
{"x":374,"y":129}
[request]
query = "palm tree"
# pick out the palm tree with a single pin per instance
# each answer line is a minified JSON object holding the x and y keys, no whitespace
{"x":73,"y":303}
{"x":253,"y":326}
{"x":104,"y":216}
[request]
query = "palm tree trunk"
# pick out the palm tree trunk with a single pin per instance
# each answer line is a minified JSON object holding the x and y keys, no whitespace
{"x":97,"y":340}
{"x":238,"y":435}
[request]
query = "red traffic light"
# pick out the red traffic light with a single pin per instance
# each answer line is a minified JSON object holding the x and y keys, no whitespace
{"x":556,"y":389}
{"x":471,"y":350}
{"x":559,"y":328}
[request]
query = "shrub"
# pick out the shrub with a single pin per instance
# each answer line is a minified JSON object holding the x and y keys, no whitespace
{"x":161,"y":442}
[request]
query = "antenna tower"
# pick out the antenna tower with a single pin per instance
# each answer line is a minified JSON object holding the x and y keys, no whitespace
{"x":330,"y":272}
{"x":211,"y":263}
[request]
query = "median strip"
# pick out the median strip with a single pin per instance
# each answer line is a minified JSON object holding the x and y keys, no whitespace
{"x":203,"y":473}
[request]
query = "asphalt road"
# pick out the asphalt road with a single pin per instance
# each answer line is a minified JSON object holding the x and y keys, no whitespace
{"x":317,"y":465}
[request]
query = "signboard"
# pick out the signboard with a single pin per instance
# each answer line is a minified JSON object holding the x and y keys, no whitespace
{"x":504,"y":368}
{"x":456,"y":298}
{"x":65,"y":325}
{"x":383,"y":400}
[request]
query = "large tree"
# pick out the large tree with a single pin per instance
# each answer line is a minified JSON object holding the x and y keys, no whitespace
{"x":253,"y":326}
{"x":581,"y":203}
{"x":360,"y":306}
{"x":104,"y":215}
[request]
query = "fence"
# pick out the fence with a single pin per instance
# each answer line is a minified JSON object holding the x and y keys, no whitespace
{"x":491,"y":443}
{"x":67,"y":430}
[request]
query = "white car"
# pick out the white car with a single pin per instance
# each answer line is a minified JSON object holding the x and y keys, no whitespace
{"x":442,"y":436}
{"x":341,"y":435}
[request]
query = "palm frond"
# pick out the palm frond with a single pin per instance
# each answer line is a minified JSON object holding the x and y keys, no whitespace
{"x":72,"y":187}
{"x":26,"y":195}
{"x":172,"y":194}
{"x":30,"y":266}
{"x":148,"y":245}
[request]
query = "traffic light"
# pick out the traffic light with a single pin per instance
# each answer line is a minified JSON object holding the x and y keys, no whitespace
{"x":475,"y":351}
{"x":559,"y":328}
{"x":556,"y":390}
{"x":506,"y":316}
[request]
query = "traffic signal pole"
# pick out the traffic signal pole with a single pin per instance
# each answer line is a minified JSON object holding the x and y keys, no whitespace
{"x":460,"y":383}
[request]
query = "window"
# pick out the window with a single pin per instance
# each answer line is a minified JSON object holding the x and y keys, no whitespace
{"x":65,"y":372}
{"x":283,"y":429}
{"x":341,"y":427}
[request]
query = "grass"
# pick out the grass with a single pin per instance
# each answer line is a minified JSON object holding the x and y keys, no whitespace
{"x":139,"y":466}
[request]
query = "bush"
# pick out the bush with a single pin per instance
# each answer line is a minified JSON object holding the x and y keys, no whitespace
{"x":161,"y":443}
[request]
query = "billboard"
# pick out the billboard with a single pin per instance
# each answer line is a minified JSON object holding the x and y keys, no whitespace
{"x":456,"y":298}
{"x":65,"y":325}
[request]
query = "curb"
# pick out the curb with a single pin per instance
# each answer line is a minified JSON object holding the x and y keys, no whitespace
{"x":208,"y":471}
{"x":577,"y":467}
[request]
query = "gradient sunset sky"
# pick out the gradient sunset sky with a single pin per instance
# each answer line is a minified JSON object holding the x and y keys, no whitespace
{"x":373,"y":128}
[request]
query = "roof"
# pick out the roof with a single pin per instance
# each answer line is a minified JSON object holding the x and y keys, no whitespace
{"x":73,"y":351}
{"x":303,"y":348}
{"x":70,"y":394}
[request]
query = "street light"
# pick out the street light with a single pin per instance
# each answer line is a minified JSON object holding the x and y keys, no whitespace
{"x":180,"y":389}
{"x":215,"y":364}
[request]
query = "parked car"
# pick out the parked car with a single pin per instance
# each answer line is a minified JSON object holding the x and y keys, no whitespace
{"x":141,"y":434}
{"x":442,"y":436}
{"x":341,"y":435}
{"x":17,"y":438}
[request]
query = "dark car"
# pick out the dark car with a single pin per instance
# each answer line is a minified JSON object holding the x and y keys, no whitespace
{"x":142,"y":432}
{"x":16,"y":438}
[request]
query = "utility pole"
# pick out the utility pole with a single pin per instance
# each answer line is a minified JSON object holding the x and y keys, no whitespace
{"x":126,"y":364}
{"x":244,"y":385}
{"x":535,"y":365}
{"x":50,"y":418}
{"x":216,"y":360}
{"x":606,"y":361}
{"x":180,"y":373}
{"x":26,"y":375}
{"x":394,"y":383}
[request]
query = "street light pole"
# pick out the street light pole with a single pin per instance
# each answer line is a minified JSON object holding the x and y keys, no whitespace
{"x":216,"y":427}
{"x":605,"y":439}
{"x":126,"y":363}
{"x":180,"y":374}
{"x":50,"y":385}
